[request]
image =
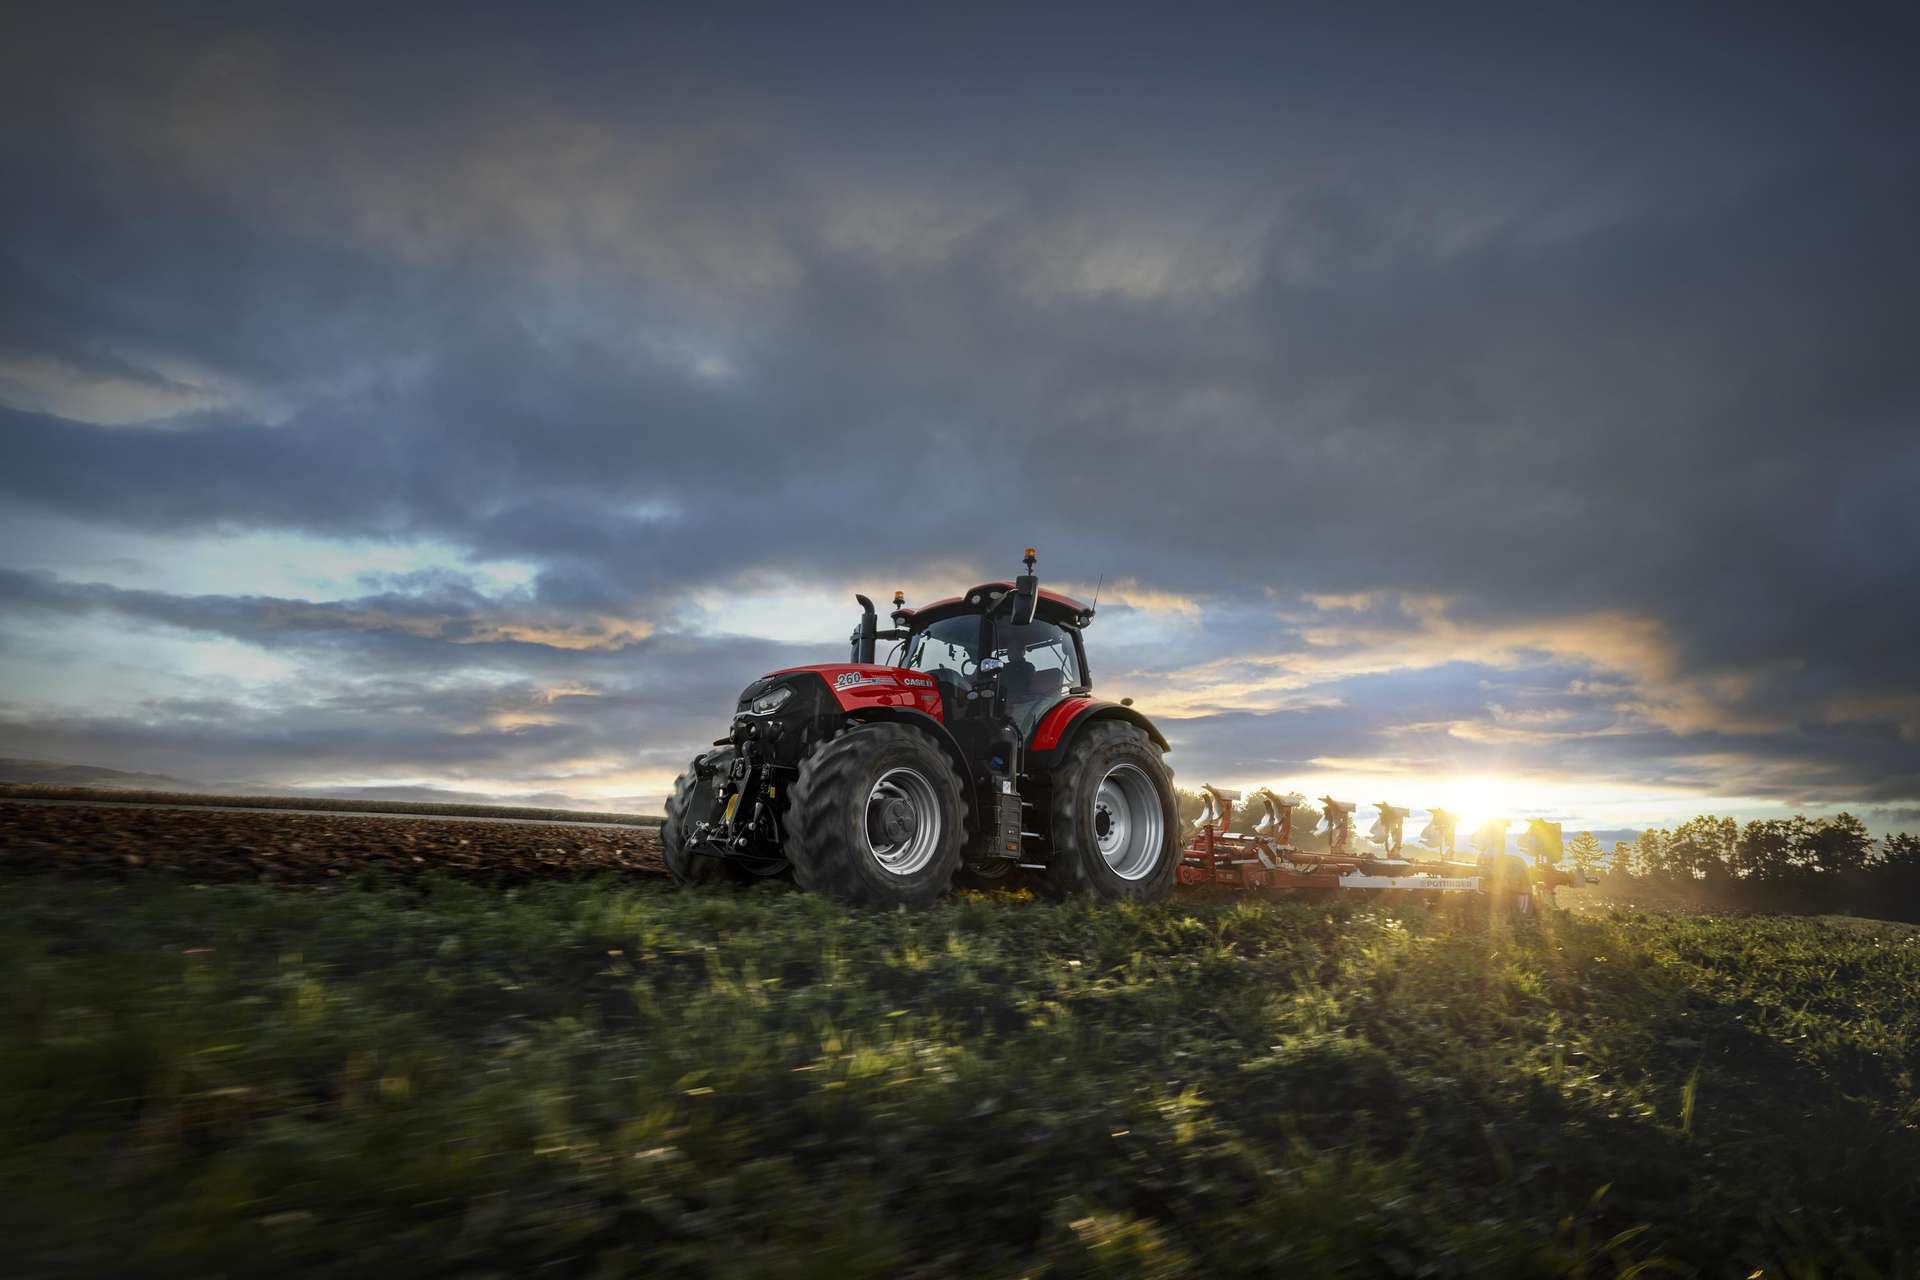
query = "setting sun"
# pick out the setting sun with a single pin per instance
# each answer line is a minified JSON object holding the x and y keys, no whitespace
{"x":1473,"y":800}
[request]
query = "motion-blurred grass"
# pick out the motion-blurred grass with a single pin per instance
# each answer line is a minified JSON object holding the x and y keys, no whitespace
{"x":624,"y":1079}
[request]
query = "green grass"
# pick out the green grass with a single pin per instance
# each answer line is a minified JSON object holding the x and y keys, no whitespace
{"x":321,"y":804}
{"x":621,"y":1078}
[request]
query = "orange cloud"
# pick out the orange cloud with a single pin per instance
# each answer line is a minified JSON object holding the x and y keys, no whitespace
{"x":1129,"y":593}
{"x":594,"y":632}
{"x":1900,"y":709}
{"x":1429,"y":634}
{"x":600,"y":632}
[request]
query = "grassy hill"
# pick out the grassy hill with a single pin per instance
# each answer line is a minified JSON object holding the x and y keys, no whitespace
{"x":623,"y":1078}
{"x":22,"y":771}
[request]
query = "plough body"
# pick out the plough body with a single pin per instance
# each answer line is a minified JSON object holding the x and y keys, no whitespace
{"x":1267,"y":860}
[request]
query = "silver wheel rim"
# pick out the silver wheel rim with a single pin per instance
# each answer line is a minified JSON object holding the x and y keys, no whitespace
{"x":1128,"y":825}
{"x":902,"y":821}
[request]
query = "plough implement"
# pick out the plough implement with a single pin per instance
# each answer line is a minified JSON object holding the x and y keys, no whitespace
{"x":1267,"y":860}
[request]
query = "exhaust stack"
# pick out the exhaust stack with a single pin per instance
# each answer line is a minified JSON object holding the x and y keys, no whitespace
{"x":866,"y":636}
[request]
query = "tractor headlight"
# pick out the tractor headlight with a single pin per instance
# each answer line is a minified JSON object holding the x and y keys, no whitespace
{"x":772,"y":700}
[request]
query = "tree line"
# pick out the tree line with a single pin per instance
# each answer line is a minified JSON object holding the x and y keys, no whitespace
{"x":1775,"y":864}
{"x":1769,"y":864}
{"x":1712,"y":848}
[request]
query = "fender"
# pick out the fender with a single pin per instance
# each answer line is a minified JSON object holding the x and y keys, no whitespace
{"x":1056,"y":730}
{"x":921,"y":720}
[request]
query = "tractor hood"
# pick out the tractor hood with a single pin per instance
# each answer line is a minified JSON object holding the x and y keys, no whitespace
{"x":855,"y":685}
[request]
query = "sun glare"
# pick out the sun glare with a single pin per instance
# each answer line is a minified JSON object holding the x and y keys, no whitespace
{"x":1474,"y":800}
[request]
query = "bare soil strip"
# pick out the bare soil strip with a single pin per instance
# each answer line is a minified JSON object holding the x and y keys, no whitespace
{"x":320,"y":804}
{"x":332,"y":812}
{"x":311,"y":848}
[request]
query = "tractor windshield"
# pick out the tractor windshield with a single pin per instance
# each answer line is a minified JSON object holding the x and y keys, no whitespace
{"x":1039,"y":661}
{"x":952,"y":644}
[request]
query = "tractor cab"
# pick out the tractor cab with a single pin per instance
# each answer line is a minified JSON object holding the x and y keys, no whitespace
{"x":1034,"y":663}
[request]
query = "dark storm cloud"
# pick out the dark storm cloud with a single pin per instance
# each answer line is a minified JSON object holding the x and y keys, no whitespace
{"x":1553,"y":323}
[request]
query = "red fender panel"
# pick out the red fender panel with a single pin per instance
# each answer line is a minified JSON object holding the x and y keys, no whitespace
{"x":1062,"y":716}
{"x":1047,"y":733}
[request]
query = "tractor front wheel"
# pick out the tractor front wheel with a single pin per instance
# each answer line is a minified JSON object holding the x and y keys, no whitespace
{"x":876,"y":816}
{"x":691,"y":802}
{"x":1115,"y":822}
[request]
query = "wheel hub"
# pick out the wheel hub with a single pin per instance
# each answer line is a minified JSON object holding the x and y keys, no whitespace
{"x":902,"y":821}
{"x":897,"y":821}
{"x":1129,"y":824}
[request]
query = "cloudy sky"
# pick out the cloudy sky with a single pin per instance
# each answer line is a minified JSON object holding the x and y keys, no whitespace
{"x":1503,"y":410}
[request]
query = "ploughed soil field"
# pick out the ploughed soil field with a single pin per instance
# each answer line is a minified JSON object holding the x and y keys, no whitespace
{"x":296,"y":848}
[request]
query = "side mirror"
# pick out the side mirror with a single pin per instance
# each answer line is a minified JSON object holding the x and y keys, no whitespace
{"x":1026,"y":595}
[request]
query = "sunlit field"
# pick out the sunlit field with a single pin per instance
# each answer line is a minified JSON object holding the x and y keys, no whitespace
{"x":614,"y":1077}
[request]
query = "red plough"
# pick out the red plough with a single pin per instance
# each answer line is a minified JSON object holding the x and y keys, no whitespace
{"x":1267,"y":860}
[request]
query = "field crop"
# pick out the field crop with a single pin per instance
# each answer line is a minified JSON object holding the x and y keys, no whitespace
{"x":615,"y":1077}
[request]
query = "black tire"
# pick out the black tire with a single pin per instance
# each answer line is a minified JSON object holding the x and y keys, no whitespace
{"x":692,"y":801}
{"x":1120,"y":753}
{"x":831,"y":831}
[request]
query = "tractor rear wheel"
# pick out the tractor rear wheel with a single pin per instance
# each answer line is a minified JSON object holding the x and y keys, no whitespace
{"x":1115,"y":823}
{"x":877,"y":816}
{"x":691,"y":802}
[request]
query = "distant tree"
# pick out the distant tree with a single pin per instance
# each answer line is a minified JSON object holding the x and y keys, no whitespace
{"x":1584,"y":852}
{"x":1703,"y":848}
{"x":1902,"y":851}
{"x":1305,"y":818}
{"x":1839,"y":843}
{"x":1622,"y":858}
{"x":1765,"y":849}
{"x":1189,"y":804}
{"x":1650,"y":853}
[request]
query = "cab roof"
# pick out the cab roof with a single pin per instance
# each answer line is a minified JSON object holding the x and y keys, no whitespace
{"x":1052,"y":607}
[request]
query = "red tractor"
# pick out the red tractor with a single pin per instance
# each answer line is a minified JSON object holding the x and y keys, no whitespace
{"x":976,"y":752}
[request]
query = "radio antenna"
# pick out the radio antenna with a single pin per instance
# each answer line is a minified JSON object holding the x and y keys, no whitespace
{"x":1096,"y":594}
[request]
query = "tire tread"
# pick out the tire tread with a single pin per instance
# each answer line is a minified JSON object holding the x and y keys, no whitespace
{"x":684,"y":867}
{"x":1070,"y":871}
{"x":830,"y":774}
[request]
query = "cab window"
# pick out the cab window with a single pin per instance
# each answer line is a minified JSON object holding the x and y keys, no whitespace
{"x":1040,"y":660}
{"x":949,"y":645}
